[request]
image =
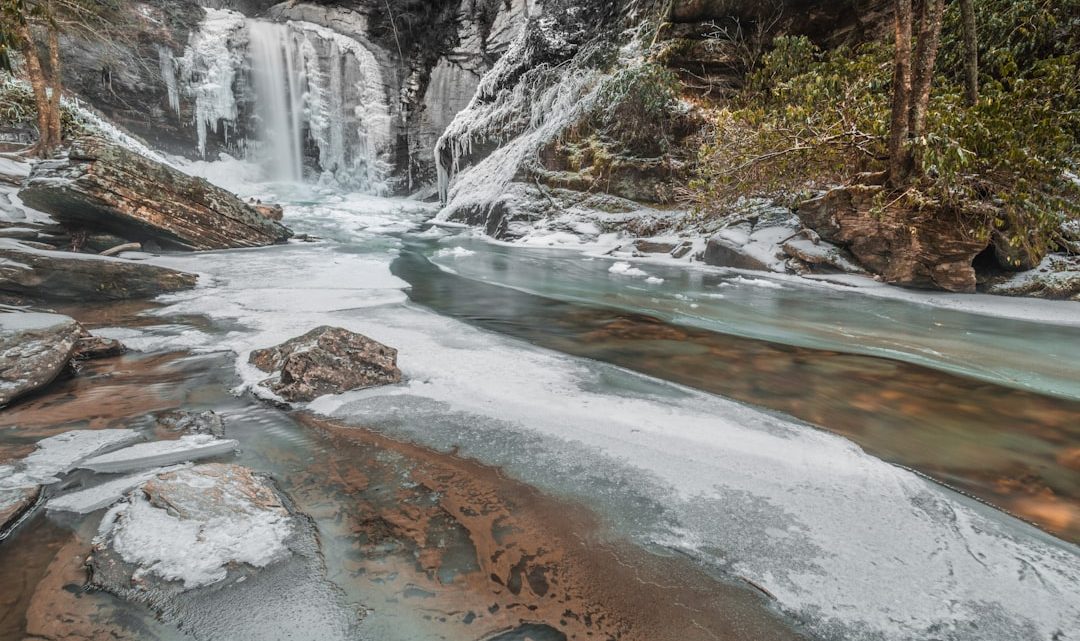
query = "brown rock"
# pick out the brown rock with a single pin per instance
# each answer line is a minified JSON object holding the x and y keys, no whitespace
{"x":93,"y":347}
{"x":55,"y":275}
{"x":13,"y":504}
{"x":34,"y":349}
{"x":106,"y":188}
{"x":271,"y":212}
{"x":326,"y":360}
{"x":927,"y":248}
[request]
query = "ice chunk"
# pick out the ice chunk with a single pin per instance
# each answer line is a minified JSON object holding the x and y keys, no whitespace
{"x":59,"y":454}
{"x":143,"y":455}
{"x":624,"y":269}
{"x":100,"y":496}
{"x":456,"y":252}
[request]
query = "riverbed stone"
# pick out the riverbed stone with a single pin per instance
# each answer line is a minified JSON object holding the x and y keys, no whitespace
{"x":326,"y":360}
{"x":34,"y":349}
{"x":105,"y":187}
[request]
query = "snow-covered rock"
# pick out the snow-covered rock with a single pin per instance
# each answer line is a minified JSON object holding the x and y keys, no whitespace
{"x":190,"y":528}
{"x":34,"y":349}
{"x":1056,"y":277}
{"x":137,"y":457}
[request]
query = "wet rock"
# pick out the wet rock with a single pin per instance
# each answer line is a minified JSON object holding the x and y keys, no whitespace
{"x":190,"y":528}
{"x":925,"y":248}
{"x":19,"y":233}
{"x":207,"y":422}
{"x":90,"y":348}
{"x":326,"y":360}
{"x":14,"y":503}
{"x":55,"y":275}
{"x":104,"y":187}
{"x":34,"y":349}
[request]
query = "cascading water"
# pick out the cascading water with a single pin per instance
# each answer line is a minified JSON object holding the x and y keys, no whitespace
{"x":315,"y":99}
{"x":279,"y":102}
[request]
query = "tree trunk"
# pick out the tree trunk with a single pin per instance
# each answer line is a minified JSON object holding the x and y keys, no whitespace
{"x":38,"y":85}
{"x":55,"y":131}
{"x":901,"y":98}
{"x":925,"y":58}
{"x":971,"y":52}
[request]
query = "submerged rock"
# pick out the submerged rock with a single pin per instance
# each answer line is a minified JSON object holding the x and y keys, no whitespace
{"x":326,"y":360}
{"x":34,"y":349}
{"x":922,"y":248}
{"x":207,"y":422}
{"x":190,"y":528}
{"x":55,"y":275}
{"x":107,"y":188}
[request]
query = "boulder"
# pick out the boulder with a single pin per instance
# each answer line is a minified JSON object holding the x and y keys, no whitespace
{"x":191,"y":528}
{"x":326,"y":360}
{"x":740,"y":248}
{"x":104,"y":187}
{"x":34,"y":349}
{"x":925,"y":248}
{"x":271,"y":212}
{"x":55,"y":275}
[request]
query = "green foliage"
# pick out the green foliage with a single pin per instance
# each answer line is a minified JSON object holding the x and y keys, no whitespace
{"x":809,"y":119}
{"x":638,"y":107}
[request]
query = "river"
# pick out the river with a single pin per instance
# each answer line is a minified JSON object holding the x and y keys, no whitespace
{"x":577,"y":452}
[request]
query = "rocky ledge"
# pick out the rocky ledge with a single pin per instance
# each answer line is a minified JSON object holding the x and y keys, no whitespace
{"x":326,"y":360}
{"x":103,"y":187}
{"x":28,"y":270}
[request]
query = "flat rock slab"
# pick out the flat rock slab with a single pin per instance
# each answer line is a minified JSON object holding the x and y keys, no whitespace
{"x":55,"y":275}
{"x":106,"y":187}
{"x":34,"y":349}
{"x":326,"y":360}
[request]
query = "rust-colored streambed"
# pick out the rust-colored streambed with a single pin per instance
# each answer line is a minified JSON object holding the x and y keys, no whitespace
{"x":424,"y":544}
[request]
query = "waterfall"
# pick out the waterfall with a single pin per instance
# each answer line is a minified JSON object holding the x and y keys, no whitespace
{"x":278,"y":100}
{"x":309,"y":102}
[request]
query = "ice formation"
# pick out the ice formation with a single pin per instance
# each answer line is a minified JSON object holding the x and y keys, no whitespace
{"x":289,"y":87}
{"x":144,"y":455}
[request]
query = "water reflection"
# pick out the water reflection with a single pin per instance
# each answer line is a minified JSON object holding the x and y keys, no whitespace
{"x":1013,"y":448}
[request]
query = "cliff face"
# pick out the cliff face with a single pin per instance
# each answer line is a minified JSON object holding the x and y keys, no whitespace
{"x":383,"y":84}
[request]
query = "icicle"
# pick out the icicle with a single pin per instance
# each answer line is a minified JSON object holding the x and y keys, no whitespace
{"x":168,"y":75}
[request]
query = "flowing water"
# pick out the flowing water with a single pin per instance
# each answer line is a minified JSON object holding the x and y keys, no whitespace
{"x":574,"y":454}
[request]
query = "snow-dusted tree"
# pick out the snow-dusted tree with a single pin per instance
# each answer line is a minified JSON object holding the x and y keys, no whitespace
{"x":27,"y":27}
